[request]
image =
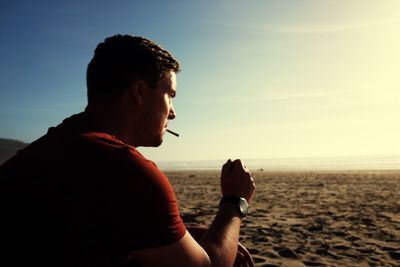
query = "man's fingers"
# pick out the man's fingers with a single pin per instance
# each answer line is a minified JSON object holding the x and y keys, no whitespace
{"x":229,"y":161}
{"x":243,"y":166}
{"x":252,"y":181}
{"x":226,"y":167}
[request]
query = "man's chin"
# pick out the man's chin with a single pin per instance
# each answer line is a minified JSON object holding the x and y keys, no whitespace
{"x":157,"y":144}
{"x":153,"y":143}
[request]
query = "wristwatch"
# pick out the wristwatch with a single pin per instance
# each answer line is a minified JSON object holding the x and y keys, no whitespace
{"x":239,"y":202}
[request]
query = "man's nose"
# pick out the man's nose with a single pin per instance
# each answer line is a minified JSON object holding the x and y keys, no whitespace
{"x":172,"y":113}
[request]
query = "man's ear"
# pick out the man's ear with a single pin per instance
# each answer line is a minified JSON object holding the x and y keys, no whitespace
{"x":136,"y":91}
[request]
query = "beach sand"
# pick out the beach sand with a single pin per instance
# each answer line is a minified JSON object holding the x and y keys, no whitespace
{"x":349,"y":218}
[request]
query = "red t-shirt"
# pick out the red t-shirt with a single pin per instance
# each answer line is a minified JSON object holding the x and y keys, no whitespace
{"x":78,"y":196}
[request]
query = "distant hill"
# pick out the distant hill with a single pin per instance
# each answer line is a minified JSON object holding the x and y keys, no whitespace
{"x":9,"y":147}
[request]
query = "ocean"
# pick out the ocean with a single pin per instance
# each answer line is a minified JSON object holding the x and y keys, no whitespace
{"x":376,"y":162}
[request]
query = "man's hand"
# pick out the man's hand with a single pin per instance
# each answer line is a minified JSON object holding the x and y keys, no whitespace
{"x":236,"y":180}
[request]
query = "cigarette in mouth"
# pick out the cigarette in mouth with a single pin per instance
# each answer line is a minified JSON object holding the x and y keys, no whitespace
{"x":172,"y":132}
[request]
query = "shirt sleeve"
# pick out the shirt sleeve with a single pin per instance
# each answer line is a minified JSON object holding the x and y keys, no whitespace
{"x":145,"y":211}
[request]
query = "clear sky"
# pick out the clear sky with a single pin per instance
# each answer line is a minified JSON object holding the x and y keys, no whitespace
{"x":260,"y":79}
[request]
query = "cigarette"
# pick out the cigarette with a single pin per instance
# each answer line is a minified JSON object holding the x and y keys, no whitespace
{"x":172,"y":132}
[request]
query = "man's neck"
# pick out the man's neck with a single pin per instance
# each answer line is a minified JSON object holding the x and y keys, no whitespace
{"x":111,"y":119}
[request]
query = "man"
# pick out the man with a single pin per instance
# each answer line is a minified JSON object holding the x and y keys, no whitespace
{"x":82,"y":195}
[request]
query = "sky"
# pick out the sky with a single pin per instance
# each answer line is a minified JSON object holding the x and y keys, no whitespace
{"x":259,"y":79}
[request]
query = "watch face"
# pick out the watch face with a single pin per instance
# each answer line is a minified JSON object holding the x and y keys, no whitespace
{"x":243,"y":206}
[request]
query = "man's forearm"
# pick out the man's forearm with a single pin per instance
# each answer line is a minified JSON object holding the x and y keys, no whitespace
{"x":220,"y":241}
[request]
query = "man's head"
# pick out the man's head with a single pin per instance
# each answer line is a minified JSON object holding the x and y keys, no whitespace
{"x":131,"y":82}
{"x":120,"y":60}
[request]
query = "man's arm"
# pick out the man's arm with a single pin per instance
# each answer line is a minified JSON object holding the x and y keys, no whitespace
{"x":218,"y":245}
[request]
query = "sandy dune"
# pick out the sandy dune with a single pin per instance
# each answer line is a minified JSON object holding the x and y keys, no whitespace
{"x":308,"y":218}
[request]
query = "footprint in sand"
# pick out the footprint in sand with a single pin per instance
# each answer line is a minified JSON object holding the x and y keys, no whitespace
{"x":313,"y":263}
{"x":341,"y":247}
{"x":394,"y":255}
{"x":259,"y":259}
{"x":287,"y":253}
{"x":254,"y":251}
{"x":270,"y":254}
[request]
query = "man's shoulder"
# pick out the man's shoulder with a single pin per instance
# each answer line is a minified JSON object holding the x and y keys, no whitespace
{"x":117,"y":155}
{"x":108,"y":145}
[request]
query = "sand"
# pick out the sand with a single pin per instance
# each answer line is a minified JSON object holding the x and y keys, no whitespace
{"x":347,"y":218}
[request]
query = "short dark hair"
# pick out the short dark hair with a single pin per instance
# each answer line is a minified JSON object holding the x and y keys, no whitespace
{"x":121,"y":59}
